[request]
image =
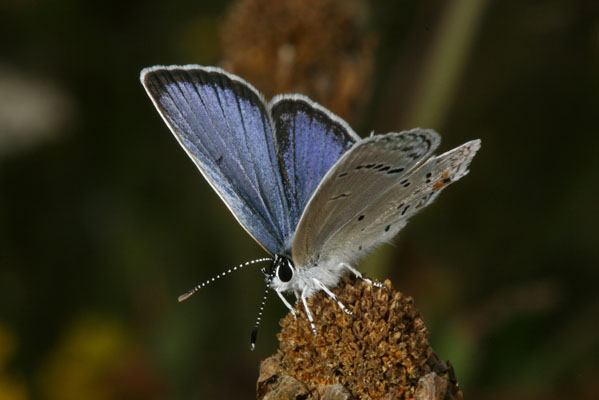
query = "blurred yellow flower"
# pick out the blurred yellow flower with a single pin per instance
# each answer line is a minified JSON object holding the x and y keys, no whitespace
{"x":11,"y":388}
{"x":85,"y":360}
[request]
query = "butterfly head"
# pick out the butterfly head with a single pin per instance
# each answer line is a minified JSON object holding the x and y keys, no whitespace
{"x":281,"y":272}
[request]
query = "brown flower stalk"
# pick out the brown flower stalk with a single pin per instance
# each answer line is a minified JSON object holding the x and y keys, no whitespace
{"x":381,"y":352}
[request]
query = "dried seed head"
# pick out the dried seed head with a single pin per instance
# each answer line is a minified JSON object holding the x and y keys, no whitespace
{"x":380,"y":352}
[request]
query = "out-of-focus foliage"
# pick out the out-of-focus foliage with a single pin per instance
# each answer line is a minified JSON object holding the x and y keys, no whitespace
{"x":104,"y":221}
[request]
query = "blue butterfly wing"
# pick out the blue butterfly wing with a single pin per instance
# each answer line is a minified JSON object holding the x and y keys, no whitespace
{"x":310,"y":140}
{"x":223,"y":124}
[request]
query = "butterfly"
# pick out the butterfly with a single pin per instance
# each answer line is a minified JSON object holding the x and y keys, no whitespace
{"x":298,"y":179}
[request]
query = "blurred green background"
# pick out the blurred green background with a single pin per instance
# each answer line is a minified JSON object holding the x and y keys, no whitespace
{"x":104,"y":220}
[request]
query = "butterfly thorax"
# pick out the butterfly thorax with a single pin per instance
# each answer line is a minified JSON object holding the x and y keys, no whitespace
{"x":284,"y":276}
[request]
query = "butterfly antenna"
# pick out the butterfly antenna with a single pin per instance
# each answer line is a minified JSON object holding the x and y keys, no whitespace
{"x":257,"y":325}
{"x":188,"y":294}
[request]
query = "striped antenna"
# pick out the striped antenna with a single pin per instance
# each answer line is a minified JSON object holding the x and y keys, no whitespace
{"x":257,"y":325}
{"x":269,"y":278}
{"x":188,"y":294}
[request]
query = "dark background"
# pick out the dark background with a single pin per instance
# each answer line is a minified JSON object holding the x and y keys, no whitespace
{"x":104,"y":220}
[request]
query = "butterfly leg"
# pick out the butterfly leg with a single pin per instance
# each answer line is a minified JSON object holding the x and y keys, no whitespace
{"x":284,"y":300}
{"x":331,"y":295}
{"x":359,"y":275}
{"x":308,"y":313}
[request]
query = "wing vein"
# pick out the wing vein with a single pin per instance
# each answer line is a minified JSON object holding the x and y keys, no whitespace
{"x":254,"y":183}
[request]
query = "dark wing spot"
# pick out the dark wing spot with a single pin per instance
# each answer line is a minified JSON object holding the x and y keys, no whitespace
{"x":342,"y":175}
{"x":360,"y":248}
{"x":369,"y":166}
{"x":400,"y":206}
{"x":396,"y":170}
{"x":360,"y":218}
{"x":359,"y":167}
{"x":384,"y":169}
{"x":428,"y":175}
{"x":446,"y":180}
{"x":425,"y":140}
{"x":387,"y":228}
{"x":405,"y":210}
{"x":339,"y":196}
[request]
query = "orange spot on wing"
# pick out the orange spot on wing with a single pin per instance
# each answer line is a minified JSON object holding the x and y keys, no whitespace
{"x":440,"y":183}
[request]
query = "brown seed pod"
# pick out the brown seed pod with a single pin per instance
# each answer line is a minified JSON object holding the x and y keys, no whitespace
{"x":381,"y":352}
{"x":319,"y":48}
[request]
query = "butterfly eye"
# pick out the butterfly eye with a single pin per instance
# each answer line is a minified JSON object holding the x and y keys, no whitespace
{"x":285,"y":272}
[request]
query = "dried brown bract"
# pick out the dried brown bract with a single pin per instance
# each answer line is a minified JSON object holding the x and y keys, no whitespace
{"x":319,"y":48}
{"x":381,"y":352}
